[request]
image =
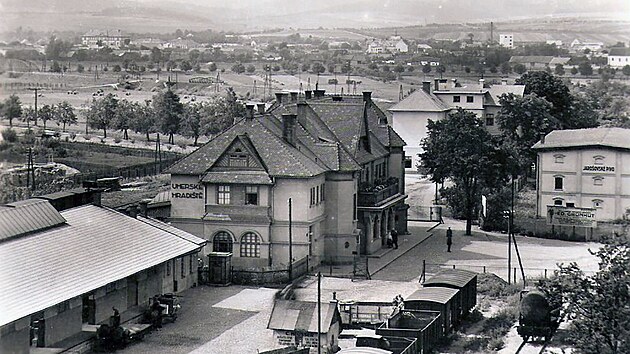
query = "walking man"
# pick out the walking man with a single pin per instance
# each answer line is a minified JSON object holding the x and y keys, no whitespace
{"x":394,"y":234}
{"x":449,"y":238}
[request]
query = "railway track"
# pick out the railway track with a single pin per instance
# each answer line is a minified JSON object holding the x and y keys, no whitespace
{"x":531,"y":349}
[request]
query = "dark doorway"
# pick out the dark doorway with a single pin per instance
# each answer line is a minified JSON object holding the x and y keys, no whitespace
{"x":132,"y":292}
{"x":88,"y":315}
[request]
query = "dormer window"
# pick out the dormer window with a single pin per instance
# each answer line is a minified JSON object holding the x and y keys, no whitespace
{"x":238,"y":160}
{"x":598,"y":160}
{"x":558,"y":158}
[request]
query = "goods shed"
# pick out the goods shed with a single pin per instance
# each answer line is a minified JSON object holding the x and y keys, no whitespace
{"x":443,"y":300}
{"x":463,"y":280}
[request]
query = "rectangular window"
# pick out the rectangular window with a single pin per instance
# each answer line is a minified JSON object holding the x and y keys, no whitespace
{"x":312,"y":201}
{"x":223,"y":195}
{"x":470,"y":99}
{"x":570,"y":205}
{"x":489,"y":119}
{"x":407,"y":162}
{"x":558,"y":183}
{"x":183,"y":268}
{"x":323,"y":195}
{"x":317,"y":195}
{"x":559,"y":158}
{"x":251,"y":195}
{"x":456,"y":99}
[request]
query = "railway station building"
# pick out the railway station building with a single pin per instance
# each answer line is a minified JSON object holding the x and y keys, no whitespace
{"x":335,"y":157}
{"x":585,"y":168}
{"x":62,"y":272}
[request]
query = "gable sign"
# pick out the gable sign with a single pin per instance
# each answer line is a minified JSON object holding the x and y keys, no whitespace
{"x":563,"y":216}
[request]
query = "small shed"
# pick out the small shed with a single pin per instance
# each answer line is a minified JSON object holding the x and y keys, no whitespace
{"x":463,"y":280}
{"x":295,"y":323}
{"x":220,"y":268}
{"x":443,"y":300}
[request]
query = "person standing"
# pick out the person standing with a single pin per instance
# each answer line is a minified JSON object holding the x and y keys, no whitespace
{"x":394,"y":234}
{"x":449,"y":238}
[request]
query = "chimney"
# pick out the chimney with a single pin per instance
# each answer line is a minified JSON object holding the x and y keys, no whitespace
{"x":443,"y":84}
{"x":133,"y":211}
{"x":542,"y":138}
{"x":367,"y":96}
{"x":436,"y":84}
{"x":308,"y":94}
{"x":294,"y":96}
{"x":337,"y":98}
{"x":481,"y":81}
{"x":334,"y":296}
{"x":288,"y":128}
{"x":319,"y":93}
{"x":250,"y":111}
{"x":301,"y":112}
{"x":504,"y":81}
{"x":261,"y":108}
{"x":426,"y":86}
{"x":453,"y":83}
{"x":144,"y":206}
{"x":279,"y":97}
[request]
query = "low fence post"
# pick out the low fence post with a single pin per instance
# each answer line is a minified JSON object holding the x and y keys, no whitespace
{"x":514,"y":275}
{"x":453,"y":266}
{"x":484,"y":269}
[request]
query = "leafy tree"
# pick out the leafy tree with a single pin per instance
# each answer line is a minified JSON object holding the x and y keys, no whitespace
{"x":520,"y":68}
{"x":212,"y":67}
{"x":238,"y":68}
{"x":626,"y":70}
{"x":55,"y":67}
{"x":559,"y":70}
{"x":596,"y":305}
{"x":64,"y":115}
{"x":306,"y":67}
{"x":250,"y":69}
{"x":156,"y":55}
{"x":125,"y":113}
{"x":459,"y":148}
{"x":56,"y":48}
{"x":28,"y":114}
{"x":191,"y":121}
{"x":574,"y":70}
{"x":505,"y":68}
{"x":318,"y":68}
{"x":585,"y":68}
{"x":168,"y":112}
{"x":102,"y":113}
{"x":12,"y":108}
{"x":80,"y":68}
{"x":233,"y":108}
{"x":522,"y":120}
{"x":331,"y":68}
{"x":116,"y":68}
{"x":551,"y":88}
{"x":426,"y":68}
{"x":144,"y":119}
{"x":185,"y":65}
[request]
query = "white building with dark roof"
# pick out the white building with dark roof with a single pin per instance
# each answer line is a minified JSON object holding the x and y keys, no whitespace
{"x":98,"y":38}
{"x":63,"y":270}
{"x":585,"y":168}
{"x":436,"y":100}
{"x":619,"y":57}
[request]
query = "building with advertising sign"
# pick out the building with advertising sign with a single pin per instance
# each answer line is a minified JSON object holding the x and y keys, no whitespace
{"x":581,"y":170}
{"x":335,"y":157}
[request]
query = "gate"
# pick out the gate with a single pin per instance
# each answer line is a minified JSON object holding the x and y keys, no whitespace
{"x":425,"y":213}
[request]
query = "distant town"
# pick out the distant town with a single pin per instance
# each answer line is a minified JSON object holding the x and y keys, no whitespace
{"x":451,"y":188}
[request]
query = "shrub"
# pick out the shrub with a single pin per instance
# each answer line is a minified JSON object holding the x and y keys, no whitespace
{"x":9,"y":135}
{"x":87,"y":137}
{"x":117,"y":140}
{"x":102,"y":140}
{"x":73,"y":135}
{"x":182,"y":145}
{"x":495,"y":344}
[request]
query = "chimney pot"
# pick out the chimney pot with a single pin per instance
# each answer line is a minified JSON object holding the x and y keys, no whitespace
{"x":504,"y":81}
{"x":426,"y":86}
{"x":288,"y":128}
{"x":133,"y":211}
{"x":261,"y":108}
{"x":308,"y":94}
{"x":279,"y":97}
{"x":144,"y":207}
{"x":319,"y":93}
{"x":367,"y":96}
{"x":250,"y":111}
{"x":294,"y":96}
{"x":481,"y":81}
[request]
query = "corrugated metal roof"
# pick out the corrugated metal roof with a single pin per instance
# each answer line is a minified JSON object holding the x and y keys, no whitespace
{"x":27,"y":216}
{"x":97,"y":246}
{"x":454,"y":277}
{"x":610,"y":137}
{"x":433,"y":294}
{"x":290,"y":315}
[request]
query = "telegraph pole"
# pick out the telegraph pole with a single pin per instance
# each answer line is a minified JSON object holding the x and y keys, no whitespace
{"x":35,"y":90}
{"x":290,"y":242}
{"x":319,"y":312}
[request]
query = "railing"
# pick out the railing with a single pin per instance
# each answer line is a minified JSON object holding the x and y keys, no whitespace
{"x":374,"y":197}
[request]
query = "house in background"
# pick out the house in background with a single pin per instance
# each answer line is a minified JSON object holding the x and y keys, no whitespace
{"x":63,"y":270}
{"x":335,"y":157}
{"x":113,"y":39}
{"x":436,"y":100}
{"x":532,"y":62}
{"x":506,"y":40}
{"x":618,"y":57}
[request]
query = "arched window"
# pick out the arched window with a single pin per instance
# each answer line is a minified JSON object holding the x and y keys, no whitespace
{"x":222,"y":242}
{"x":250,"y":245}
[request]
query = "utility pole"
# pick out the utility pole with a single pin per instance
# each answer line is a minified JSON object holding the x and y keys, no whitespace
{"x":290,"y":242}
{"x":35,"y":90}
{"x":507,"y":214}
{"x":319,"y":313}
{"x":518,"y":254}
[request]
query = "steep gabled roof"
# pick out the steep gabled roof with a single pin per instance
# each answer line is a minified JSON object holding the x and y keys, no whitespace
{"x":420,"y":100}
{"x":279,"y":157}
